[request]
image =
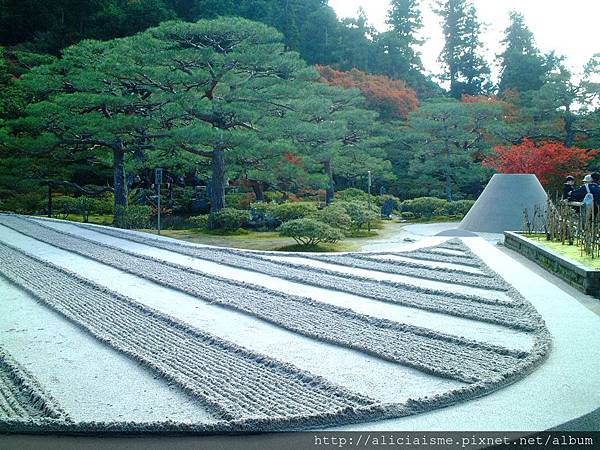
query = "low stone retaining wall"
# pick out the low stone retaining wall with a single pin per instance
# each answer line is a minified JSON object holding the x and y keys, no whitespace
{"x":576,"y":274}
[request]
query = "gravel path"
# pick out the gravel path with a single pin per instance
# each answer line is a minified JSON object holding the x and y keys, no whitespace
{"x":235,"y":383}
{"x":513,"y":314}
{"x":426,"y":350}
{"x":21,"y":396}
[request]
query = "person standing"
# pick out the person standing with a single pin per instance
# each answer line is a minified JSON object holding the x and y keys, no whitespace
{"x":568,"y":187}
{"x":581,"y":194}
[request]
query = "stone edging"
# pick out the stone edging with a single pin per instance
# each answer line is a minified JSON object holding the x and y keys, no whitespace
{"x":577,"y":275}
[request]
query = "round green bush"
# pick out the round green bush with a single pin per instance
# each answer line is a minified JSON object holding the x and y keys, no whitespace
{"x":460,"y":207}
{"x":200,"y":222}
{"x":309,"y":232}
{"x":360,"y":214}
{"x":134,"y":216}
{"x":285,"y":212}
{"x":228,"y":219}
{"x":425,"y":206}
{"x":262,"y":215}
{"x":352,"y":195}
{"x":63,"y":206}
{"x":335,"y":216}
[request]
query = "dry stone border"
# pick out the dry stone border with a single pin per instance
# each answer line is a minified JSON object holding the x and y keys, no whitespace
{"x":421,"y":348}
{"x":515,"y":314}
{"x":21,"y":395}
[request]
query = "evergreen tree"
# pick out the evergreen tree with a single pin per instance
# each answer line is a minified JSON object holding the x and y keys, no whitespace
{"x":446,"y":140}
{"x":405,"y":21}
{"x":523,"y":67}
{"x":466,"y":70}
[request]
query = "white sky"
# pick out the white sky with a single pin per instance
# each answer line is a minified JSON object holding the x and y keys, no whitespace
{"x":571,"y":27}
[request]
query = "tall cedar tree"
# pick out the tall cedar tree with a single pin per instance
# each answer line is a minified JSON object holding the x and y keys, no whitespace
{"x":405,"y":22}
{"x":522,"y":66}
{"x":466,"y":70}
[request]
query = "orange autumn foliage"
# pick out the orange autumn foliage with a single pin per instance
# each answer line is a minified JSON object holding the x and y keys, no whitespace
{"x":391,"y":98}
{"x":551,"y":162}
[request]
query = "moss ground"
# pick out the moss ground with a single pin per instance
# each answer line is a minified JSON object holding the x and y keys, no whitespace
{"x":570,"y":251}
{"x":268,"y":240}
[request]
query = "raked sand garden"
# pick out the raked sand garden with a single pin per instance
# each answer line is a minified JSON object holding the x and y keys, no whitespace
{"x":106,"y":330}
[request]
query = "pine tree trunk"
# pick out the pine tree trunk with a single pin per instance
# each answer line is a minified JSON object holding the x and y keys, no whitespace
{"x":330,"y":193}
{"x":119,"y":182}
{"x":569,"y":130}
{"x":259,"y":190}
{"x":217,"y":191}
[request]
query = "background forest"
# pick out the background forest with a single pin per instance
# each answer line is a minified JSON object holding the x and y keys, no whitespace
{"x":251,"y":105}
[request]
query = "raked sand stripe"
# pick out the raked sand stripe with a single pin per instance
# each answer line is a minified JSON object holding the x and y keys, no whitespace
{"x":142,"y":290}
{"x":273,"y":263}
{"x":390,"y":276}
{"x":235,"y":383}
{"x":448,"y":276}
{"x":21,"y":395}
{"x":422,"y":263}
{"x":439,"y":300}
{"x":416,"y":347}
{"x":514,"y":314}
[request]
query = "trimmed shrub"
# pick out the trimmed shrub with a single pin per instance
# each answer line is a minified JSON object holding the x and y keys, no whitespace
{"x":271,"y":196}
{"x":460,"y":207}
{"x":359,"y":213}
{"x":105,"y":204}
{"x":262,"y":215}
{"x":335,"y":216}
{"x":85,"y":206}
{"x":199,"y":222}
{"x":294,"y":210}
{"x":63,"y":206}
{"x":134,"y":216}
{"x":425,"y":206}
{"x":309,"y":232}
{"x":228,"y":219}
{"x":240,"y":201}
{"x":407,"y":215}
{"x":352,"y":195}
{"x":28,"y":203}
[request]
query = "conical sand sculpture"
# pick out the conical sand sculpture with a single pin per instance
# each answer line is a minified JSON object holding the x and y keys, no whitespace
{"x":500,"y":207}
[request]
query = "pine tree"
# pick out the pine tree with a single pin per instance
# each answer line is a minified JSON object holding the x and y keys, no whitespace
{"x":466,"y":70}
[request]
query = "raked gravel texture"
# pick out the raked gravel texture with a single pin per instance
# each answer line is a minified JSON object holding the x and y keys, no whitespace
{"x":261,"y":262}
{"x":21,"y":395}
{"x":432,"y":352}
{"x":502,"y":367}
{"x":513,"y":313}
{"x":413,"y":269}
{"x":237,"y":385}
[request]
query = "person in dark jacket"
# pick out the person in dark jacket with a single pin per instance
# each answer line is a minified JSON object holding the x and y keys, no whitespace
{"x":577,"y":195}
{"x":568,"y":187}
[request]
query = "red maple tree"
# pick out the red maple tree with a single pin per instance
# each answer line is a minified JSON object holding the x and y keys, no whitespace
{"x":551,"y":162}
{"x":391,"y":98}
